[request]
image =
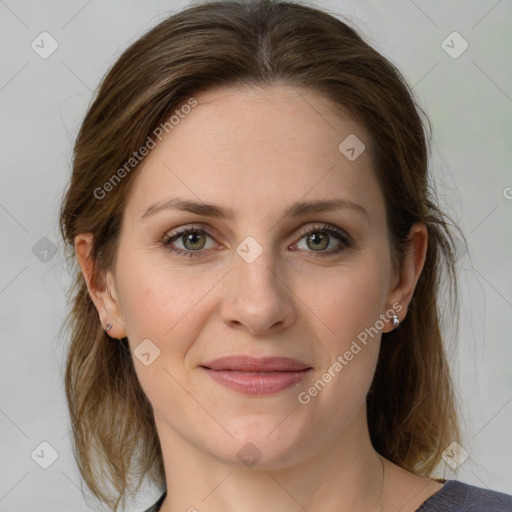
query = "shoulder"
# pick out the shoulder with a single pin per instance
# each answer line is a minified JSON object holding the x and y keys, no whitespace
{"x":457,"y":496}
{"x":156,"y":506}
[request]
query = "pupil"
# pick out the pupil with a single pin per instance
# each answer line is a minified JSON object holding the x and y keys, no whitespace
{"x":192,"y":239}
{"x":318,"y":240}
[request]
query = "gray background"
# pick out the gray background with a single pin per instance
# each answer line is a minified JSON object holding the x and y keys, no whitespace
{"x":42,"y":102}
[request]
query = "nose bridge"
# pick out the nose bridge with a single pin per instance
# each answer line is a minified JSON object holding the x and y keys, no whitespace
{"x":258,"y":298}
{"x":261,"y":274}
{"x":257,"y":276}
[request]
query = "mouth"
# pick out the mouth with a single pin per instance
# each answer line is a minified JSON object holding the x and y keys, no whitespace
{"x":256,"y":376}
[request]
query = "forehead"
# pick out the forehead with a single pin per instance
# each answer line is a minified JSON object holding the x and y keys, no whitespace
{"x":251,"y":145}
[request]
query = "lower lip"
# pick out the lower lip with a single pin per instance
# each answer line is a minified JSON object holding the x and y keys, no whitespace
{"x":256,"y":383}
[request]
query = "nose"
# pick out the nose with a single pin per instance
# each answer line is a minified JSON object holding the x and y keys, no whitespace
{"x":257,"y":299}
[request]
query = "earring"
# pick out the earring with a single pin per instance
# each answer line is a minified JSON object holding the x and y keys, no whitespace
{"x":109,"y":326}
{"x":396,"y":322}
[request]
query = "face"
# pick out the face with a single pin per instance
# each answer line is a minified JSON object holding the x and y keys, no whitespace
{"x":248,"y":234}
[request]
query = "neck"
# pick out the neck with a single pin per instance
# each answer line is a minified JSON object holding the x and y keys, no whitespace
{"x":345,"y":477}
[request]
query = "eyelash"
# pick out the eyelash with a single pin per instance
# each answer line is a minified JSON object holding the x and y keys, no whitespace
{"x":329,"y":229}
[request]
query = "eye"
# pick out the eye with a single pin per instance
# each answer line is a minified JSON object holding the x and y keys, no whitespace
{"x":188,"y":241}
{"x":193,"y":241}
{"x":320,"y":238}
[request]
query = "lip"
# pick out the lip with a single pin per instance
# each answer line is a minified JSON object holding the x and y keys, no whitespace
{"x":256,"y":376}
{"x":256,"y":364}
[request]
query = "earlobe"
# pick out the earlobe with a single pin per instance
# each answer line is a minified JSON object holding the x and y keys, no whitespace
{"x":104,"y":300}
{"x":410,"y":271}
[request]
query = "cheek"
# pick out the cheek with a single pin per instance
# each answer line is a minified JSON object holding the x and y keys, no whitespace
{"x":162,"y":303}
{"x":347,"y":307}
{"x":169,"y":307}
{"x":346,"y":301}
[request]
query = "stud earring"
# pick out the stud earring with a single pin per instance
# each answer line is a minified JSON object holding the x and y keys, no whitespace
{"x":396,"y":322}
{"x":109,"y":326}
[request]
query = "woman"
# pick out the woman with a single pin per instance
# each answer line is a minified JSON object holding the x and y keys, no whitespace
{"x":255,"y":318}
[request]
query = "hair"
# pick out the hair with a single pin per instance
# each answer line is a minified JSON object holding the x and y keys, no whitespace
{"x":411,"y":407}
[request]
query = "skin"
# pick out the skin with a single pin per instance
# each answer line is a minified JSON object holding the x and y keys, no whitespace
{"x":258,"y":151}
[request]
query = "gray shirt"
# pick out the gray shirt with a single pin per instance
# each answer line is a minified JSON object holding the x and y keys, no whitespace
{"x":454,"y":496}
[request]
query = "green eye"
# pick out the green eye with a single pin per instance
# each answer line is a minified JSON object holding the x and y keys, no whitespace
{"x":192,"y":240}
{"x":317,"y":241}
{"x":320,"y":238}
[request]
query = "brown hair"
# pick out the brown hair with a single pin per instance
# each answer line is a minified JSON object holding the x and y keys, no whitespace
{"x":412,"y":413}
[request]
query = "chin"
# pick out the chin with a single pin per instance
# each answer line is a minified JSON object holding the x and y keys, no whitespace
{"x":266,"y":443}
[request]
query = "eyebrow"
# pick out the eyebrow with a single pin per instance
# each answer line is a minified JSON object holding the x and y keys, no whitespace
{"x":296,"y":210}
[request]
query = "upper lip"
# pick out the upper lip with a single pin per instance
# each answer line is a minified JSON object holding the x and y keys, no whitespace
{"x":256,"y":364}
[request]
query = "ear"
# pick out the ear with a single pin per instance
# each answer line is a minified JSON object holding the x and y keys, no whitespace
{"x":104,"y":295}
{"x":407,"y":276}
